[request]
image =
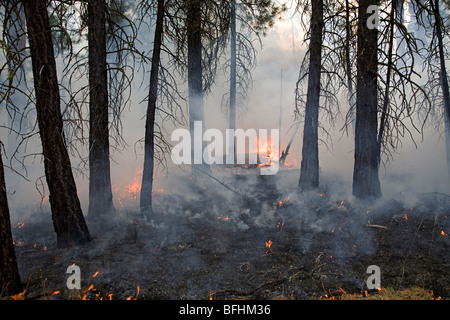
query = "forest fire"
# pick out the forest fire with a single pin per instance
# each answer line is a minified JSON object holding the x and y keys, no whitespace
{"x":131,"y":191}
{"x":265,"y":152}
{"x":231,"y":216}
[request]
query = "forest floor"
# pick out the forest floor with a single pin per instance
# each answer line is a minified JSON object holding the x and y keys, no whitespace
{"x":258,"y":244}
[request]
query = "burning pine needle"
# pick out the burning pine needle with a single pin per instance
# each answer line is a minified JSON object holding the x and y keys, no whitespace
{"x":268,"y":245}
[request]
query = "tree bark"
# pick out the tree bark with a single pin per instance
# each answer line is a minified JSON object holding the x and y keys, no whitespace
{"x":147,"y":176}
{"x":100,"y":193}
{"x":9,"y":272}
{"x":15,"y":49}
{"x":386,"y":98}
{"x":195,"y":82}
{"x":68,"y":219}
{"x":309,"y":172}
{"x":351,"y":97}
{"x":366,"y":183}
{"x":233,"y":78}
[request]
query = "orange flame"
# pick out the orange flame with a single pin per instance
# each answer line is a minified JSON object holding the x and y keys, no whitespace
{"x":135,"y":298}
{"x":132,"y":190}
{"x":19,"y":225}
{"x":19,"y":296}
{"x":268,"y":245}
{"x":264,"y":150}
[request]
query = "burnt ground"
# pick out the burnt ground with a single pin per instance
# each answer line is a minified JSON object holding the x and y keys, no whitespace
{"x":205,"y":241}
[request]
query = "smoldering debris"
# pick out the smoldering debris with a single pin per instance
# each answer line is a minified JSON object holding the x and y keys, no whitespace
{"x":268,"y":242}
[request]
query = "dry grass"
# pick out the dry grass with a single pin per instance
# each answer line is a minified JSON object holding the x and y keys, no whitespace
{"x":389,"y":293}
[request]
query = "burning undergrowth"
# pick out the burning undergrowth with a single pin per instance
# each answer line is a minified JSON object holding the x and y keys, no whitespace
{"x":244,"y":236}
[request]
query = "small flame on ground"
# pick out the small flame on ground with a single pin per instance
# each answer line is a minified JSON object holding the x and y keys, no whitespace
{"x":280,"y":226}
{"x":19,"y":296}
{"x":135,"y":298}
{"x":19,"y":225}
{"x":282,"y":202}
{"x":268,"y":245}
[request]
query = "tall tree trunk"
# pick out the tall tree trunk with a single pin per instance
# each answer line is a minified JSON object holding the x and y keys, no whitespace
{"x":195,"y":84}
{"x":9,"y":272}
{"x":68,"y":219}
{"x":348,"y":35}
{"x":233,"y":79}
{"x":309,"y":175}
{"x":366,"y":182}
{"x":16,"y":44}
{"x":443,"y":75}
{"x":386,"y":99}
{"x":147,"y":176}
{"x":400,"y":16}
{"x":100,"y":193}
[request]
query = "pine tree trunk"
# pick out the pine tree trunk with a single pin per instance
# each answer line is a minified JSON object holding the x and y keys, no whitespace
{"x":15,"y":50}
{"x":195,"y":83}
{"x":386,"y":98}
{"x":68,"y":219}
{"x":147,"y":176}
{"x":309,"y":175}
{"x":100,"y":193}
{"x":9,"y":272}
{"x":366,"y":183}
{"x":233,"y":78}
{"x":351,"y":96}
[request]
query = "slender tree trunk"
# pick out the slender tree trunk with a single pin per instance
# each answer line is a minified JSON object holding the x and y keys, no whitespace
{"x":385,"y":109}
{"x":366,"y":183}
{"x":195,"y":84}
{"x":16,"y":44}
{"x":100,"y":193}
{"x":400,"y":14}
{"x":443,"y":75}
{"x":147,"y":176}
{"x":233,"y":78}
{"x":68,"y":219}
{"x":309,"y":175}
{"x":9,"y":272}
{"x":351,"y":96}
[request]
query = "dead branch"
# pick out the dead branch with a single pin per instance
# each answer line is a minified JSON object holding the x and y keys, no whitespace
{"x":217,"y":180}
{"x":376,"y":226}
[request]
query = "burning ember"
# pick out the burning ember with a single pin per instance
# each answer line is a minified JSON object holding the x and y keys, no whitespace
{"x":19,"y":225}
{"x":268,"y":245}
{"x":137,"y":294}
{"x":283,"y":202}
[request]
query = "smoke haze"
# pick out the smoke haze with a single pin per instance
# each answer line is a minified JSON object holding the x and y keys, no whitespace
{"x":414,"y":170}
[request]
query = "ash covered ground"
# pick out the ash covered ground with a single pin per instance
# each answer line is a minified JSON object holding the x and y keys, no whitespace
{"x":262,"y":241}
